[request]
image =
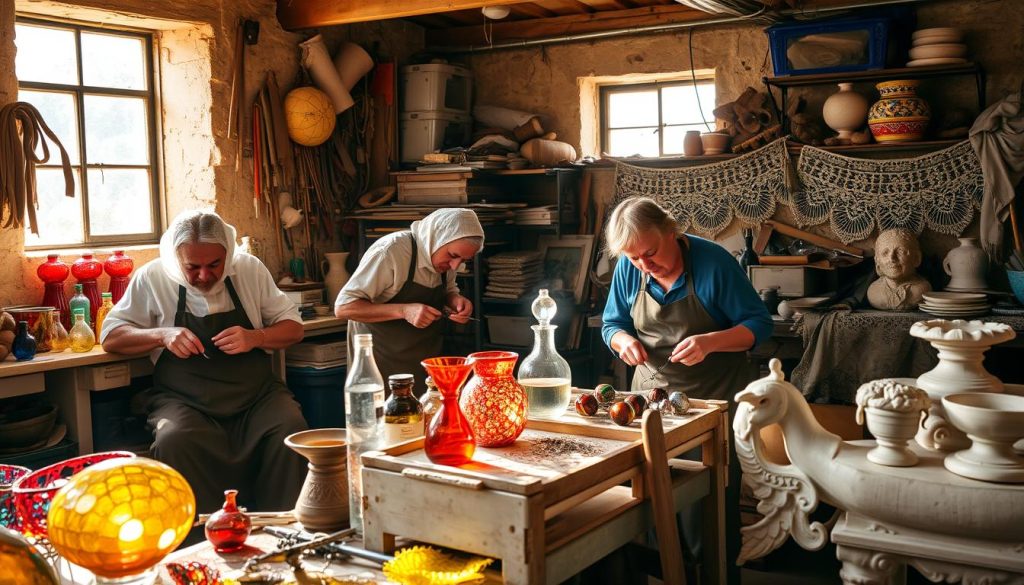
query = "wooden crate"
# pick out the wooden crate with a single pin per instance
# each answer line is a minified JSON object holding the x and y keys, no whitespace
{"x":551,"y":504}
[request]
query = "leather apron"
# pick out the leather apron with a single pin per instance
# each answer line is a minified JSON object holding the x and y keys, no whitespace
{"x":660,"y":328}
{"x":223,"y":385}
{"x":398,"y":346}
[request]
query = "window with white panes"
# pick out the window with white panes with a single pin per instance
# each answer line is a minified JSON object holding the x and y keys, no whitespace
{"x":94,"y":88}
{"x":651,"y":119}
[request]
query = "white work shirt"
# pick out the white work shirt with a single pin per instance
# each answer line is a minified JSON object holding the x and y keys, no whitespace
{"x":152,"y":298}
{"x":383,"y":270}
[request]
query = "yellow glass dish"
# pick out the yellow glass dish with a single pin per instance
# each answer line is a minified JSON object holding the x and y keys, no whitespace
{"x":423,"y":565}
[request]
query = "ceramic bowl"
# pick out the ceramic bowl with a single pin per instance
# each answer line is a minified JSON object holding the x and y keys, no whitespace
{"x":28,"y":431}
{"x":992,"y":416}
{"x":1016,"y":278}
{"x":924,"y":35}
{"x":715,"y":142}
{"x":938,"y":51}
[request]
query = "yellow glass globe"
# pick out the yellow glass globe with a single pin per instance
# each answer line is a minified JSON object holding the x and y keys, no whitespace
{"x":309,"y":114}
{"x":120,"y":517}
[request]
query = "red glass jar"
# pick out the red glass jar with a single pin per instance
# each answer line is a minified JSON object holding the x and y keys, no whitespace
{"x":119,"y":268}
{"x":53,"y":273}
{"x":493,"y":402}
{"x":87,"y":269}
{"x":228,"y":527}
{"x":8,"y":475}
{"x":449,"y":439}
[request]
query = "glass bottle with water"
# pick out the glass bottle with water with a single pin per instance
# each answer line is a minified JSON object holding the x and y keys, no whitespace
{"x":544,"y":374}
{"x":364,"y":419}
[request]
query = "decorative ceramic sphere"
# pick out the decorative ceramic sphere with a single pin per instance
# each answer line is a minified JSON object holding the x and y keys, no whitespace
{"x":309,"y":114}
{"x":586,"y":405}
{"x":657,"y":395}
{"x":638,"y":402}
{"x":604,"y":393}
{"x":680,"y":402}
{"x":21,"y":563}
{"x":118,"y":518}
{"x":622,"y":413}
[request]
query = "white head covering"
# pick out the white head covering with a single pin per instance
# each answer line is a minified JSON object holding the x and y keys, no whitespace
{"x":446,"y":225}
{"x":199,"y":225}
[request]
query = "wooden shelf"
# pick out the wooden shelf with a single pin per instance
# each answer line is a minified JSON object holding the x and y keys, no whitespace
{"x":879,"y":147}
{"x":876,"y":75}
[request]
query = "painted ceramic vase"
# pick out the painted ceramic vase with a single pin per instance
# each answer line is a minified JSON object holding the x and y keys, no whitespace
{"x":845,"y":111}
{"x":492,"y":400}
{"x":900,"y":116}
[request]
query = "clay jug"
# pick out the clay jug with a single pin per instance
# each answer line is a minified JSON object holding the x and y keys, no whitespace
{"x":323,"y":500}
{"x":692,"y":144}
{"x":845,"y":111}
{"x":493,"y":401}
{"x":967,"y":266}
{"x":335,"y":274}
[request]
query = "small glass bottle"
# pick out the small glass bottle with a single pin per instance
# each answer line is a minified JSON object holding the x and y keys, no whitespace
{"x":403,"y":414}
{"x":431,"y":402}
{"x":544,"y":374}
{"x":101,"y":313}
{"x":364,"y":419}
{"x":748,"y":257}
{"x":227,"y":528}
{"x":82,"y":337}
{"x":59,"y":337}
{"x":79,"y":302}
{"x":24,"y":345}
{"x":87,"y":269}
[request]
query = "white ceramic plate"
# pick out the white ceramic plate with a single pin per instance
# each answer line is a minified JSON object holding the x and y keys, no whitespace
{"x":937,"y":32}
{"x":938,"y":51}
{"x":954,"y":296}
{"x":936,"y":61}
{"x":955,"y":302}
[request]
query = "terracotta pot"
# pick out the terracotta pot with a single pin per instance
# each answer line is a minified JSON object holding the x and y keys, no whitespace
{"x":845,"y":111}
{"x":493,"y":401}
{"x":323,"y":501}
{"x":692,"y":144}
{"x":714,"y":142}
{"x":967,"y":265}
{"x":900,"y":115}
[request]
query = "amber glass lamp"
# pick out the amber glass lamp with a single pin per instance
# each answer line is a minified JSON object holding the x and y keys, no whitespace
{"x":87,"y":269}
{"x":119,"y":518}
{"x":119,"y":268}
{"x":53,"y":273}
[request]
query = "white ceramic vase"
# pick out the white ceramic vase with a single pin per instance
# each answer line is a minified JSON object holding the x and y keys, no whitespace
{"x":893,"y":431}
{"x":961,"y":346}
{"x":845,"y":111}
{"x":335,"y":274}
{"x":317,"y":61}
{"x":967,"y":266}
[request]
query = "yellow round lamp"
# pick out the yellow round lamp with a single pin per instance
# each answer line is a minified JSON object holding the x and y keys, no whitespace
{"x":120,"y":517}
{"x":309,"y":114}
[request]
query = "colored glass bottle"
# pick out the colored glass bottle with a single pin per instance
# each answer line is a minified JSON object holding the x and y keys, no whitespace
{"x":449,"y":438}
{"x":80,"y":302}
{"x":748,"y":257}
{"x":227,"y":528}
{"x":119,"y":268}
{"x":544,"y":374}
{"x":493,"y":402}
{"x":53,"y":273}
{"x":101,"y":313}
{"x":364,"y":419}
{"x":82,"y":336}
{"x":60,"y":339}
{"x":87,"y":269}
{"x":24,"y":345}
{"x":403,"y":414}
{"x":431,"y":402}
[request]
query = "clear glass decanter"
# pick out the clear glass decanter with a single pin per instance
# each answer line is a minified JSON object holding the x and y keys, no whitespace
{"x":544,"y":374}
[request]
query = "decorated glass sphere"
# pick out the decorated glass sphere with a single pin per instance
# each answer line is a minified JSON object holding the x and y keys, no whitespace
{"x":680,"y":402}
{"x":657,"y":395}
{"x":604,"y":393}
{"x":622,"y":413}
{"x":309,"y":115}
{"x":118,"y":518}
{"x":638,"y":402}
{"x":586,"y":405}
{"x":21,"y":563}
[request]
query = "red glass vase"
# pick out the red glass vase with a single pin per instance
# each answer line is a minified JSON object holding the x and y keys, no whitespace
{"x":87,"y":269}
{"x":53,"y":273}
{"x":228,"y":527}
{"x":119,"y":268}
{"x":449,"y":438}
{"x":8,"y":475}
{"x":492,"y":401}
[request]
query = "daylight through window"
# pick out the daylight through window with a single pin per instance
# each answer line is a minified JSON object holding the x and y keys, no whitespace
{"x":651,"y":119}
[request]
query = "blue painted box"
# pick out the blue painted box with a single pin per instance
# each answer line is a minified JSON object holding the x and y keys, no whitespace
{"x":851,"y":44}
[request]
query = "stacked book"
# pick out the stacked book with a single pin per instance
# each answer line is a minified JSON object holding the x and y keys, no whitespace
{"x":543,"y":215}
{"x":447,"y":187}
{"x":513,"y":274}
{"x":317,"y":354}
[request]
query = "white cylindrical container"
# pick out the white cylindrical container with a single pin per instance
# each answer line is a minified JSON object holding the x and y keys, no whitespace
{"x":437,"y":87}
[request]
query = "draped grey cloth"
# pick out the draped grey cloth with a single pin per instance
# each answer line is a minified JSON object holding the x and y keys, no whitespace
{"x":998,"y":138}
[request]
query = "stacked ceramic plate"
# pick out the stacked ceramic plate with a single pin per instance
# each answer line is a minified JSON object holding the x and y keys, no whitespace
{"x":955,"y":305}
{"x":938,"y":46}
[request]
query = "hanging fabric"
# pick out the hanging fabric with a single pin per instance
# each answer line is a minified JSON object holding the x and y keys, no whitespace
{"x":707,"y":198}
{"x":940,"y":191}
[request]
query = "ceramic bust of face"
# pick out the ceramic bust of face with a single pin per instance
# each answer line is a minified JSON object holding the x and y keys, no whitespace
{"x":899,"y":287}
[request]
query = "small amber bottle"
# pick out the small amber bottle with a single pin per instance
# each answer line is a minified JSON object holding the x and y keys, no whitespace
{"x":431,"y":402}
{"x":403,"y":415}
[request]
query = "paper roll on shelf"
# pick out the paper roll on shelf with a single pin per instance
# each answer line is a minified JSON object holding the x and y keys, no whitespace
{"x":317,"y":61}
{"x":352,"y":63}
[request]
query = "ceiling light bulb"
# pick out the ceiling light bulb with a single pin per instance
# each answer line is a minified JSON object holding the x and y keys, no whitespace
{"x":495,"y":12}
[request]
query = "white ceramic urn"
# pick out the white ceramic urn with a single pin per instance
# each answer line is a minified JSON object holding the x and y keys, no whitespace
{"x":845,"y":111}
{"x":967,"y":266}
{"x":335,"y":274}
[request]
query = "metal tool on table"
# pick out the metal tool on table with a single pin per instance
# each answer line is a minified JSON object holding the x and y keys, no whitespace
{"x":334,"y":543}
{"x":655,"y":373}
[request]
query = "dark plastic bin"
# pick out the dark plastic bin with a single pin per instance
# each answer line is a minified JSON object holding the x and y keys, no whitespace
{"x":66,"y":449}
{"x":321,"y":394}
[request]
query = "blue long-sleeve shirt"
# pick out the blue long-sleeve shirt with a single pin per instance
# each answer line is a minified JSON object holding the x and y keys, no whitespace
{"x":718,"y":281}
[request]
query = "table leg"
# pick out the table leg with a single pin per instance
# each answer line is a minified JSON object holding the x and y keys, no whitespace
{"x":714,"y":454}
{"x":867,"y":567}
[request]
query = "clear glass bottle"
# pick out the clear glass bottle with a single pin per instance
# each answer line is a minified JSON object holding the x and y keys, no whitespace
{"x":59,"y":337}
{"x":79,"y":301}
{"x":82,"y":337}
{"x":364,"y":419}
{"x":101,"y":313}
{"x":544,"y":374}
{"x":403,"y":414}
{"x":431,"y":402}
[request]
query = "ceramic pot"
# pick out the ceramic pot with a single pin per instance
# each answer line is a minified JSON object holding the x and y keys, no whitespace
{"x":323,"y":500}
{"x":692,"y":144}
{"x":493,"y":401}
{"x":845,"y":111}
{"x":893,"y":431}
{"x":715,"y":142}
{"x":335,"y":274}
{"x":900,"y":115}
{"x":967,"y":266}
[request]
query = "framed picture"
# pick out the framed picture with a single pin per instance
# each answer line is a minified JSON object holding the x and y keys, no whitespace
{"x":567,"y":262}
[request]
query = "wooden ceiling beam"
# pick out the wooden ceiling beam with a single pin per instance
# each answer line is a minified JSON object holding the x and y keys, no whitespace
{"x":298,"y":14}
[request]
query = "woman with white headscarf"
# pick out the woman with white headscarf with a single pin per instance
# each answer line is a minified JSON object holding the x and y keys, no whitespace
{"x":209,"y":315}
{"x":405,"y":287}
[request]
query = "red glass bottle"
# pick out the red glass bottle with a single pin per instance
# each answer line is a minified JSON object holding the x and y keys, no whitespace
{"x":449,"y":438}
{"x":87,"y":269}
{"x":119,"y":268}
{"x":492,"y":401}
{"x":53,"y":273}
{"x":228,"y":527}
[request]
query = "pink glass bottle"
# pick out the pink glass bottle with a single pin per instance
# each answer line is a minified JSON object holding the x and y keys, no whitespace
{"x":87,"y":269}
{"x":119,"y":268}
{"x":449,"y":439}
{"x":53,"y":273}
{"x":228,"y":527}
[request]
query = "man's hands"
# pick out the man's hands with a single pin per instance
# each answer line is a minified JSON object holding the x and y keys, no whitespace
{"x":182,"y":342}
{"x":460,"y":308}
{"x":420,"y":315}
{"x":630,"y":349}
{"x":235,"y":340}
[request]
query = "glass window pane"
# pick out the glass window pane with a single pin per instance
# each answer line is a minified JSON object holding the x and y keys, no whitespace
{"x":45,"y":54}
{"x":634,"y":108}
{"x":120,"y":202}
{"x":679,"y":103}
{"x":635,"y":141}
{"x":59,"y":217}
{"x":116,"y":130}
{"x":674,"y":137}
{"x":58,"y":111}
{"x":113,"y":61}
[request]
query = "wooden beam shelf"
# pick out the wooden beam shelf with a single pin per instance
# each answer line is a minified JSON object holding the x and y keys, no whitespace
{"x":298,"y":14}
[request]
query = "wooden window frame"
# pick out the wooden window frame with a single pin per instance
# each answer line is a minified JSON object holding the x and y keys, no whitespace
{"x":606,"y":91}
